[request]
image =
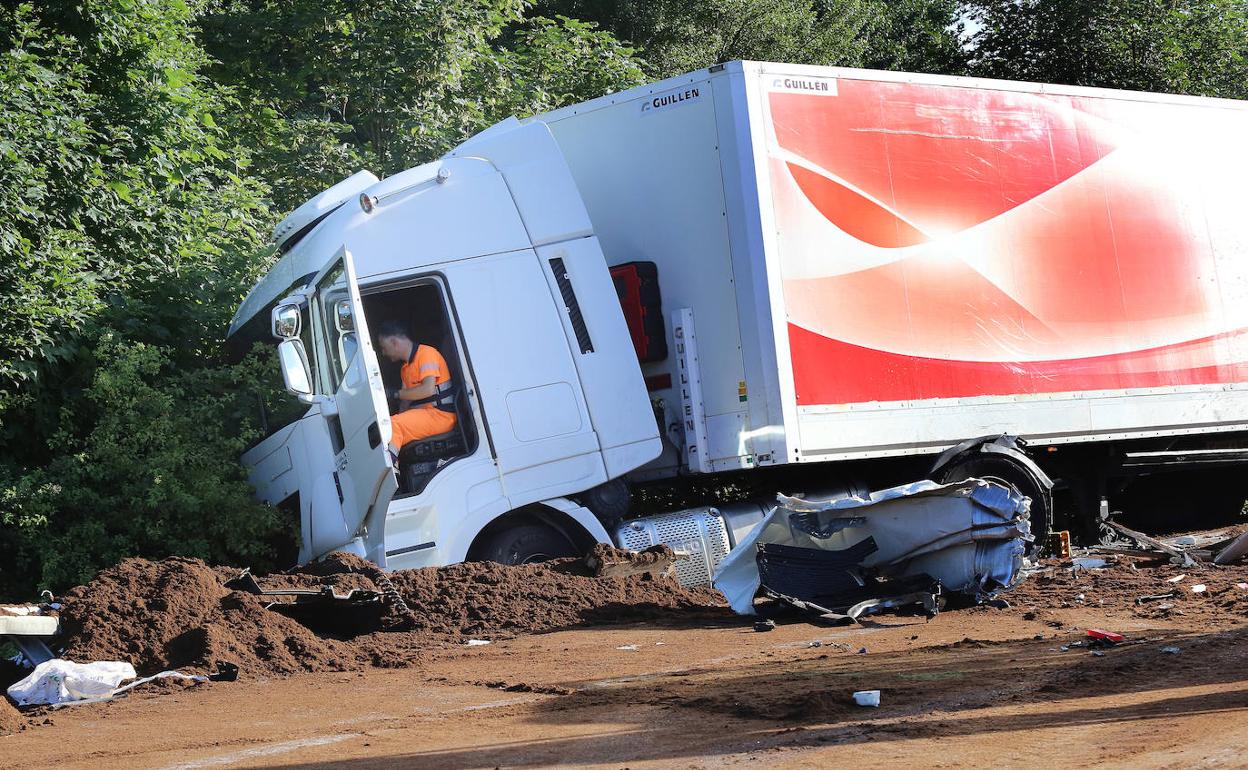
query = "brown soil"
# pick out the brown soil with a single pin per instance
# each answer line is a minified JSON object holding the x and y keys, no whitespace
{"x":974,"y":687}
{"x":651,"y":675}
{"x":605,"y":559}
{"x":176,"y":613}
{"x":11,"y":720}
{"x":487,"y":599}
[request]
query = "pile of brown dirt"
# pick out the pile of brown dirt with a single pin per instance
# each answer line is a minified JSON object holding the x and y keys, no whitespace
{"x":605,"y":559}
{"x":176,"y":613}
{"x":11,"y":720}
{"x":484,"y":598}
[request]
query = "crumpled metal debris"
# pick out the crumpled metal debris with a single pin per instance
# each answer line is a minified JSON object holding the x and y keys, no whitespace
{"x":1217,"y":546}
{"x":910,"y":541}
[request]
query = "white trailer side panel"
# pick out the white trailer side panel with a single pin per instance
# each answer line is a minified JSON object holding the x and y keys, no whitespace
{"x":953,"y":257}
{"x":892,"y":263}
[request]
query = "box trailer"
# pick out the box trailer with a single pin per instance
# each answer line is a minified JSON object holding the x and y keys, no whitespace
{"x":881,"y":263}
{"x":763,"y":265}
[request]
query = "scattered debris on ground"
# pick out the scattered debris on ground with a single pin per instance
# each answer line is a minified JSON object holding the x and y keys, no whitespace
{"x":26,"y":629}
{"x":1147,"y":587}
{"x":1176,"y":553}
{"x":1224,"y":546}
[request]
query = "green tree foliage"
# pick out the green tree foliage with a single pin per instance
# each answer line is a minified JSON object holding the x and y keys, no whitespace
{"x":377,"y":84}
{"x":551,"y":63}
{"x":129,"y":217}
{"x":156,"y":473}
{"x":679,"y":36}
{"x":918,"y":36}
{"x":389,"y":84}
{"x":1177,"y":46}
{"x":49,"y":272}
{"x":121,"y":192}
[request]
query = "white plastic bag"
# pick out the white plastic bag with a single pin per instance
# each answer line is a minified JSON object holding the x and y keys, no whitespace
{"x":61,"y":681}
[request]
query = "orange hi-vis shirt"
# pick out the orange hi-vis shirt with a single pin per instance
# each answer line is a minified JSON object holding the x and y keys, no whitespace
{"x":425,"y":420}
{"x":426,"y":360}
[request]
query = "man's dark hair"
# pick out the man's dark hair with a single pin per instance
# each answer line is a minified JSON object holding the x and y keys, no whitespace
{"x":392,"y":329}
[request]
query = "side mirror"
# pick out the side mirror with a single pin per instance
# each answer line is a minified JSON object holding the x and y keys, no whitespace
{"x":287,"y":322}
{"x":342,"y":316}
{"x":295,"y":373}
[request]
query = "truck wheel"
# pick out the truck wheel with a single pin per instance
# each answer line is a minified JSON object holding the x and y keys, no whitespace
{"x":525,"y":544}
{"x":609,"y":502}
{"x":1004,"y":472}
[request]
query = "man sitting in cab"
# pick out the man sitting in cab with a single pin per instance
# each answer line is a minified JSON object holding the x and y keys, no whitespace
{"x":426,"y":399}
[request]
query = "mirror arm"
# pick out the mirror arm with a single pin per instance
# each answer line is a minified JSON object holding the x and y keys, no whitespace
{"x":329,"y":407}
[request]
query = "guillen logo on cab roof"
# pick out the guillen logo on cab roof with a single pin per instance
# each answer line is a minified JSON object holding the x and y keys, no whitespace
{"x":814,"y":86}
{"x":671,"y":99}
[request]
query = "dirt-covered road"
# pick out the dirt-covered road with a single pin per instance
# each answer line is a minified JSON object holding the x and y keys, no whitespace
{"x":971,"y":687}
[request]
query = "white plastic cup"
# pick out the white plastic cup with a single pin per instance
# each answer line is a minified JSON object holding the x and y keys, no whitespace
{"x":867,"y":698}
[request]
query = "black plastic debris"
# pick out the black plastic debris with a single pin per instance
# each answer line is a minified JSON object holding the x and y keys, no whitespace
{"x":321,"y":609}
{"x":226,"y":672}
{"x":833,"y":585}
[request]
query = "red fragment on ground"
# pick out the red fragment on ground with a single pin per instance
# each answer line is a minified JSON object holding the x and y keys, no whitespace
{"x":1109,"y":636}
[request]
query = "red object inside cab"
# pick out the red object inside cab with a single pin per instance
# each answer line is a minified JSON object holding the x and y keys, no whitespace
{"x":637,"y":285}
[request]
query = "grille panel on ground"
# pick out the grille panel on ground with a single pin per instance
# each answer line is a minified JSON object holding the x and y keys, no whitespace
{"x":698,"y":532}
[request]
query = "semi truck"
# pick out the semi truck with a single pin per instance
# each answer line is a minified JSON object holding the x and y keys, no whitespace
{"x":663,"y":306}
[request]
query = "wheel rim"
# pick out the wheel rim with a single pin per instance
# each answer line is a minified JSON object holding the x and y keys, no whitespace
{"x":533,"y":558}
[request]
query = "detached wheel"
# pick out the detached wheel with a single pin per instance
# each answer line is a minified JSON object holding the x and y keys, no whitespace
{"x":525,"y":544}
{"x":1004,"y":472}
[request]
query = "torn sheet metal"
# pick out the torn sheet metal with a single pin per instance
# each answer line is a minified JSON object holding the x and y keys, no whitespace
{"x":1234,"y":552}
{"x":970,"y":536}
{"x":1177,"y":555}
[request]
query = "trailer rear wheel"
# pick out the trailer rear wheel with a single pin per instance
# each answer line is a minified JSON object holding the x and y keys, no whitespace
{"x":1004,"y":471}
{"x":526,"y":544}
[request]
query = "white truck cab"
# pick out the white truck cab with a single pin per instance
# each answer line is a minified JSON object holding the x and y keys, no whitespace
{"x":487,"y":255}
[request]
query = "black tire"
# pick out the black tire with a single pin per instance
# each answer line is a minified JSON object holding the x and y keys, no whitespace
{"x":609,"y":502}
{"x":1006,"y":472}
{"x":525,"y":544}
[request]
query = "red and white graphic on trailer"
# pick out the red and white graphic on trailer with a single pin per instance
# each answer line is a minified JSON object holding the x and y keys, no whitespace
{"x":941,"y":241}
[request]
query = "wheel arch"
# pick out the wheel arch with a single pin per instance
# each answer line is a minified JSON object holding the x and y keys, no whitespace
{"x":575,"y":523}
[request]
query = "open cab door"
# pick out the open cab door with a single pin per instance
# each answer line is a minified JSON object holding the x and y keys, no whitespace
{"x":357,"y":417}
